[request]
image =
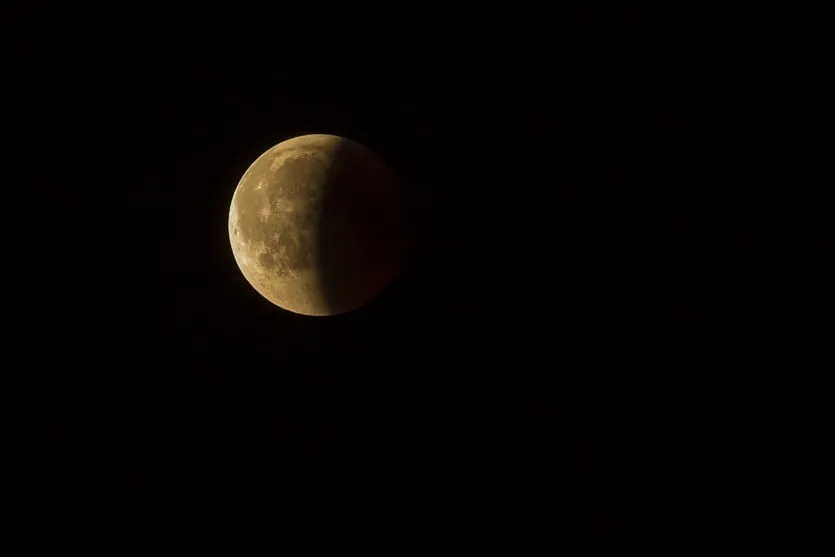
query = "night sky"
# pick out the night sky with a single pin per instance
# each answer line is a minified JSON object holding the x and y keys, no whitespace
{"x":568,"y":352}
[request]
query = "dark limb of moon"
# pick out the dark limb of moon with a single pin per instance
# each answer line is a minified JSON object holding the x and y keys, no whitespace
{"x":317,"y":225}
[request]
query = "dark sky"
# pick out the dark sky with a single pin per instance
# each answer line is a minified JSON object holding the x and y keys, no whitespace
{"x":565,"y":353}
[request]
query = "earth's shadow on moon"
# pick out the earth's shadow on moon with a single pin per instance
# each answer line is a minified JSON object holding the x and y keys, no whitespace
{"x":363,"y":230}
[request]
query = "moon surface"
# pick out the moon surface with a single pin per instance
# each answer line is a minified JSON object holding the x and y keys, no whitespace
{"x":317,"y":225}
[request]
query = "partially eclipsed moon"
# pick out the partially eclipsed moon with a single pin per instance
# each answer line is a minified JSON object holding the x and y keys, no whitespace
{"x":317,"y":225}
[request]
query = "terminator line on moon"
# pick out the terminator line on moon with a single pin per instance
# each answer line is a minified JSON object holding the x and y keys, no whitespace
{"x":317,"y":226}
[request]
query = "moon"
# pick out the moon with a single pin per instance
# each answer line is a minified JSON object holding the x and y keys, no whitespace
{"x":318,"y":226}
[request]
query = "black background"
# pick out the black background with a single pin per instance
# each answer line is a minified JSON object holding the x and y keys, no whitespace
{"x":574,"y":353}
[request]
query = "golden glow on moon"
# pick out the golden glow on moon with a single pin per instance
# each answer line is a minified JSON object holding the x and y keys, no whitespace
{"x":315,"y":224}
